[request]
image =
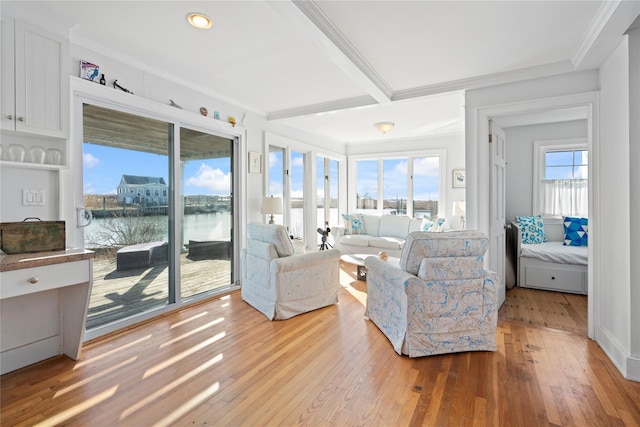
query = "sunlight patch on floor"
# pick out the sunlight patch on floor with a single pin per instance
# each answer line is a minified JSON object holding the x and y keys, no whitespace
{"x":59,"y":419}
{"x":172,"y":385}
{"x":192,"y":332}
{"x":111,"y":352}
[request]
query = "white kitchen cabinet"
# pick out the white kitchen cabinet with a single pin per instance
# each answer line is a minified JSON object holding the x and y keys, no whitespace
{"x":35,"y":80}
{"x":43,"y":307}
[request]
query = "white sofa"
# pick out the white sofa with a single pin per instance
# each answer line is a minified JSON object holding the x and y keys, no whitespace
{"x":281,"y":284}
{"x":380,"y":233}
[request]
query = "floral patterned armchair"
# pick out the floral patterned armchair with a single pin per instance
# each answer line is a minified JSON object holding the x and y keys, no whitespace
{"x":281,"y":284}
{"x":440,"y":299}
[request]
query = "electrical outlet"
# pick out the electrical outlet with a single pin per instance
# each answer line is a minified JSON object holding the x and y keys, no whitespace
{"x":32,"y":197}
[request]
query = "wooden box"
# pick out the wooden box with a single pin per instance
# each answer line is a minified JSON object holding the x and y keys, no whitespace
{"x":32,"y":236}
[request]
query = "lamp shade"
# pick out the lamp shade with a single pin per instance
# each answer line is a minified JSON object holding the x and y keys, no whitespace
{"x":458,"y":208}
{"x":271,"y":206}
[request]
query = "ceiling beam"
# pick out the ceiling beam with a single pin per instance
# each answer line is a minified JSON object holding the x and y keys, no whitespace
{"x":313,"y":24}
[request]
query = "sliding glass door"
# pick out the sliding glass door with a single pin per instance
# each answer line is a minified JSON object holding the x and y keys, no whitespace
{"x":206,"y":166}
{"x":161,"y":197}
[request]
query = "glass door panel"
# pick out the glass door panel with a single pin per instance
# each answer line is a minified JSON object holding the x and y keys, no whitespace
{"x":296,"y":200}
{"x":276,"y":176}
{"x":367,"y":186}
{"x":394,"y":174}
{"x":206,"y":169}
{"x":126,"y":187}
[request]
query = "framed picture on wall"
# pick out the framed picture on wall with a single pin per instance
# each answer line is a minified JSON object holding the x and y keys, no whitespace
{"x":458,"y":178}
{"x":255,"y":162}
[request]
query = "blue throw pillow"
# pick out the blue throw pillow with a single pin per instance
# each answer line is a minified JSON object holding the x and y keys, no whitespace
{"x":532,"y":229}
{"x":353,"y":224}
{"x":575,"y":231}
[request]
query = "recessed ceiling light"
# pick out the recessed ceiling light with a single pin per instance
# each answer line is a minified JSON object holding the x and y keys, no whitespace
{"x":199,"y":20}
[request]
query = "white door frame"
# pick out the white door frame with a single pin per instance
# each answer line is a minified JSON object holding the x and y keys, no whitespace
{"x":478,"y":208}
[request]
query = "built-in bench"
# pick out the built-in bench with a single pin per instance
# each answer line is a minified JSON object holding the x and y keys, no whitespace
{"x":142,"y":255}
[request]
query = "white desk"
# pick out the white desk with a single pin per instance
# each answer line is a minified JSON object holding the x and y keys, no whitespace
{"x":44,"y":299}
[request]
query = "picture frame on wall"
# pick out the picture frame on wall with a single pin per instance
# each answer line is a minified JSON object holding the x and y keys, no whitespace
{"x":255,"y":162}
{"x":459,"y":179}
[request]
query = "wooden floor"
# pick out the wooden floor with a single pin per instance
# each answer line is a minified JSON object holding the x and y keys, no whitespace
{"x":223,"y":363}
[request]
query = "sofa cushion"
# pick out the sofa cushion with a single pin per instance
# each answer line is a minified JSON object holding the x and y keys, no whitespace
{"x":371,"y":224}
{"x":394,"y":226}
{"x":386,"y":242}
{"x":353,"y":224}
{"x":355,"y":240}
{"x":532,"y":229}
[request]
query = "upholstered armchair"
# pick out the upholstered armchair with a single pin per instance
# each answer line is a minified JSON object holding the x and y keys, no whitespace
{"x":440,"y":299}
{"x":281,"y":284}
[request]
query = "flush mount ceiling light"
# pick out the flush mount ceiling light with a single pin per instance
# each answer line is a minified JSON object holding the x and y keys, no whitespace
{"x":199,"y":20}
{"x":384,"y":127}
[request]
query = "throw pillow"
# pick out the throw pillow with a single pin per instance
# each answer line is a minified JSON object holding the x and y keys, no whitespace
{"x":575,"y":231}
{"x":426,"y":224}
{"x":439,"y":226}
{"x":532,"y":229}
{"x":353,"y":224}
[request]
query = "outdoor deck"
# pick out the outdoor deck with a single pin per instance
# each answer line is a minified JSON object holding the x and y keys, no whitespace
{"x":120,"y":294}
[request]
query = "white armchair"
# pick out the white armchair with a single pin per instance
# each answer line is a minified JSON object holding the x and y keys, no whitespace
{"x":440,"y":299}
{"x":281,"y":284}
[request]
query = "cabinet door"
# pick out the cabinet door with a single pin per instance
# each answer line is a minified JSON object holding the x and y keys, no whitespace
{"x":40,"y":82}
{"x":7,"y":106}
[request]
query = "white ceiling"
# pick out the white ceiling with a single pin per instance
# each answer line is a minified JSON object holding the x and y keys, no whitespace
{"x":333,"y":68}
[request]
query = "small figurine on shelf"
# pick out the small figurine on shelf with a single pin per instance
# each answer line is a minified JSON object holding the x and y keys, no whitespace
{"x":173,"y":104}
{"x":103,"y":81}
{"x":232,"y":120}
{"x":117,"y":86}
{"x":204,"y":111}
{"x":216,"y":115}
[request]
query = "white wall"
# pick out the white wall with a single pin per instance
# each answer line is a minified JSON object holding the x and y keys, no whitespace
{"x":519,"y":157}
{"x":614,"y":211}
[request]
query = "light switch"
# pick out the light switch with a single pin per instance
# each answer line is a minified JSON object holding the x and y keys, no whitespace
{"x":32,"y":197}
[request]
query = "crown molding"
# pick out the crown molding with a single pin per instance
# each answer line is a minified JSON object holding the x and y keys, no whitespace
{"x":143,"y":66}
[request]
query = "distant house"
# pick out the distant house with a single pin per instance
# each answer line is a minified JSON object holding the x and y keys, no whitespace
{"x":143,"y":190}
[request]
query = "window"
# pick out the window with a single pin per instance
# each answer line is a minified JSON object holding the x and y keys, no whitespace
{"x":561,"y":178}
{"x":409,"y":185}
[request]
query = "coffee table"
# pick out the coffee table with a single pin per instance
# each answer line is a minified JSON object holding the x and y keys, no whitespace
{"x":358,"y":260}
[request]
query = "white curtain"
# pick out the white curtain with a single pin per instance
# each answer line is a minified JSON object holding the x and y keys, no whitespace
{"x":564,"y":197}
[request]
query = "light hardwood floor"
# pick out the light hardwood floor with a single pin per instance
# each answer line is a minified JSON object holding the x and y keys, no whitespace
{"x":223,"y":363}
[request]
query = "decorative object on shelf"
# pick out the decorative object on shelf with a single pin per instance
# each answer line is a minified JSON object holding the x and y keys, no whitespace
{"x":103,"y":81}
{"x":173,"y":104}
{"x":271,"y":206}
{"x":36,"y":154}
{"x":204,"y":111}
{"x":117,"y":86}
{"x":17,"y":153}
{"x":255,"y":162}
{"x":384,"y":127}
{"x":216,"y":115}
{"x":89,"y":71}
{"x":458,"y":178}
{"x":53,"y":156}
{"x":232,"y":120}
{"x":459,"y":209}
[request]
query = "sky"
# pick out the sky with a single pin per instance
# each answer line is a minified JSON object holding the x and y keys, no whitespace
{"x":104,"y":167}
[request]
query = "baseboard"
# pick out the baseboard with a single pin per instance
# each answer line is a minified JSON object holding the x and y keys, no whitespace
{"x":633,"y":369}
{"x":617,"y":354}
